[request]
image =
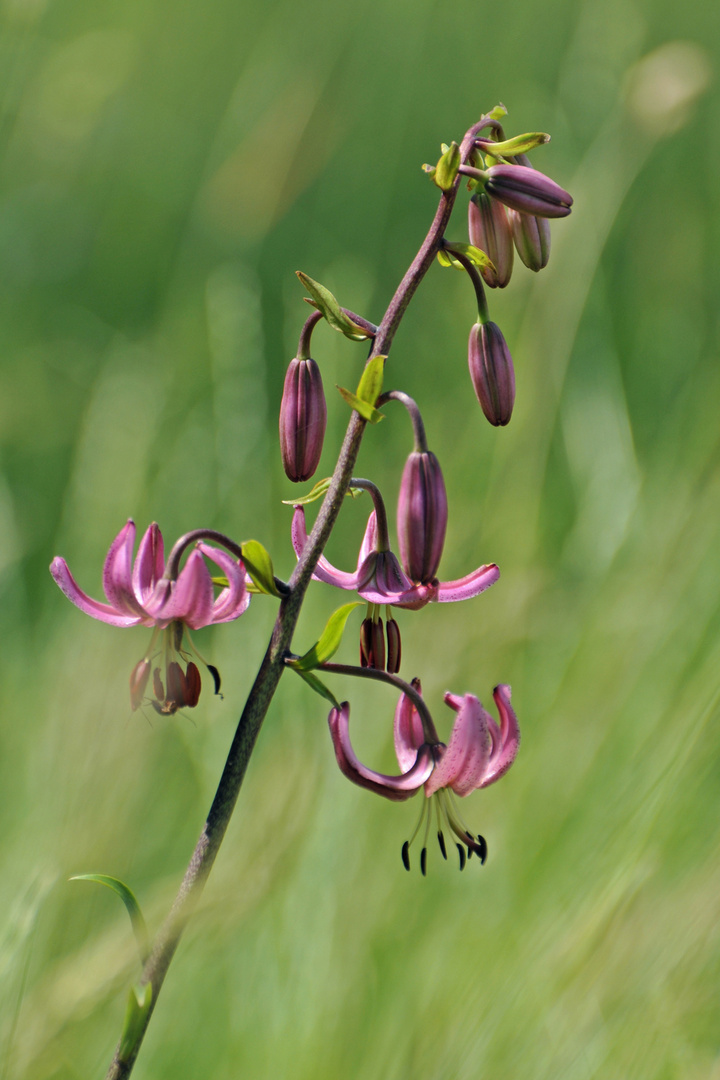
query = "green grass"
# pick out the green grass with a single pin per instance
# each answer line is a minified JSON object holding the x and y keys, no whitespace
{"x":165,"y":170}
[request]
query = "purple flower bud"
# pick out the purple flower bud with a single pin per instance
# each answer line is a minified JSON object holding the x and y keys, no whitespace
{"x":422,"y":516}
{"x":303,"y":415}
{"x":490,"y":231}
{"x":491,"y":371}
{"x":527,"y":190}
{"x":532,"y":239}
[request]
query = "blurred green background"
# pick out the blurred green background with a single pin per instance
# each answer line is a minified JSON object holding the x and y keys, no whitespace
{"x":165,"y":170}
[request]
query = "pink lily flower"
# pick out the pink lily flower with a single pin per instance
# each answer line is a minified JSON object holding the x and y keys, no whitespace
{"x":139,"y":595}
{"x":379,"y":578}
{"x":480,"y":751}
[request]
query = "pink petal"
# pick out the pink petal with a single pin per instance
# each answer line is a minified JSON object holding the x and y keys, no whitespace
{"x":467,"y":587}
{"x":509,"y":737}
{"x":63,"y":577}
{"x":190,"y":598}
{"x":324,"y":571}
{"x":117,"y":573}
{"x":369,"y":540}
{"x":233,"y":601}
{"x":397,"y":788}
{"x":464,"y":762}
{"x":149,"y":564}
{"x":408,"y":732}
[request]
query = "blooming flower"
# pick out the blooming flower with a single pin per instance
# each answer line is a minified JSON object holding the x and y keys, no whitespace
{"x":139,"y":595}
{"x":379,"y":579}
{"x":480,"y":751}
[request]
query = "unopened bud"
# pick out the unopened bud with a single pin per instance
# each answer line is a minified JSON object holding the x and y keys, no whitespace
{"x":532,"y":239}
{"x":422,"y":516}
{"x":138,"y":681}
{"x":490,"y":231}
{"x":491,"y":371}
{"x":372,"y":644}
{"x":527,"y":190}
{"x":394,"y":653}
{"x":303,"y":416}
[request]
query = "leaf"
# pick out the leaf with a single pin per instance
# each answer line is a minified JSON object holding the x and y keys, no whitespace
{"x":473,"y":254}
{"x":138,"y":1007}
{"x":318,"y":686}
{"x":497,"y":113}
{"x":325,"y":302}
{"x":519,"y":144}
{"x":133,"y":908}
{"x":371,"y":381}
{"x":447,"y":167}
{"x":368,"y":412}
{"x":329,"y":641}
{"x":318,"y":491}
{"x":260,"y":567}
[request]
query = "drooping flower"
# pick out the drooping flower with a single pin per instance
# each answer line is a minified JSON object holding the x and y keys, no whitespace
{"x":492,"y":372}
{"x":138,"y":594}
{"x":489,"y":230}
{"x":525,"y":189}
{"x":480,"y":751}
{"x":422,"y":515}
{"x":303,"y":417}
{"x":379,"y":578}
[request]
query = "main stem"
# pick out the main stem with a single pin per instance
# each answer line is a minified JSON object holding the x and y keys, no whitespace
{"x":272,"y":666}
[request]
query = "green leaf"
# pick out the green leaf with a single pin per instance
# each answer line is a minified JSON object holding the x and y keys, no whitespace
{"x":329,"y":641}
{"x":473,"y":254}
{"x":260,"y":567}
{"x":133,"y":908}
{"x":324,"y":301}
{"x":317,"y":492}
{"x":497,"y":113}
{"x":318,"y":686}
{"x":371,"y":381}
{"x":138,"y":1007}
{"x":447,"y":167}
{"x":374,"y":416}
{"x":520,"y":144}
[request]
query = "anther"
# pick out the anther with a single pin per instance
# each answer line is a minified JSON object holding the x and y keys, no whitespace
{"x":423,"y":862}
{"x":461,"y":853}
{"x":216,"y":677}
{"x":441,"y":842}
{"x":406,"y":854}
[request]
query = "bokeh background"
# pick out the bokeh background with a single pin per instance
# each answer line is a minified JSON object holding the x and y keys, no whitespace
{"x":165,"y":170}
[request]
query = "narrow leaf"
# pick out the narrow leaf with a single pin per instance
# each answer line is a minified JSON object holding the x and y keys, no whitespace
{"x":371,"y":381}
{"x":447,"y":167}
{"x":473,"y":254}
{"x":519,"y":144}
{"x":329,"y":641}
{"x":138,"y":1006}
{"x":318,"y":491}
{"x":325,"y":302}
{"x":318,"y":686}
{"x":374,"y":416}
{"x":259,"y":566}
{"x":497,"y":113}
{"x":133,"y":908}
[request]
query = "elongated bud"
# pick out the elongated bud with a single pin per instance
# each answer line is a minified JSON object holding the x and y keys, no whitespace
{"x":491,"y":371}
{"x":527,"y":190}
{"x":422,"y":516}
{"x":394,"y":653}
{"x":532,"y":239}
{"x":303,"y":416}
{"x":138,"y":681}
{"x":490,"y":231}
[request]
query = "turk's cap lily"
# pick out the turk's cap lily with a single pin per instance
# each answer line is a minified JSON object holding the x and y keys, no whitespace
{"x":379,"y":578}
{"x":138,"y":595}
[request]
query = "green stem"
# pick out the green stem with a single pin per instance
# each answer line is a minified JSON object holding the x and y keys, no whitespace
{"x":272,"y":667}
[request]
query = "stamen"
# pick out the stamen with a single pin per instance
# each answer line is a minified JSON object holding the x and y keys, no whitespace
{"x":461,"y":853}
{"x":423,"y":862}
{"x":441,"y":842}
{"x":215,"y":676}
{"x":193,"y":685}
{"x":406,"y":854}
{"x":158,"y":686}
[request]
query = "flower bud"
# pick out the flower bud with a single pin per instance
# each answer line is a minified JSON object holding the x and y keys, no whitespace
{"x":527,"y":190}
{"x":303,"y":415}
{"x":422,"y":516}
{"x":532,"y":239}
{"x":491,"y":371}
{"x":489,"y":230}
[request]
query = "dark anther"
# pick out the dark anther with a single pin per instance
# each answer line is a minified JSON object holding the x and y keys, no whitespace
{"x":423,"y":862}
{"x":406,"y":854}
{"x":441,"y":842}
{"x":394,"y":651}
{"x":193,"y":685}
{"x":216,"y":677}
{"x":481,"y":848}
{"x":461,"y":853}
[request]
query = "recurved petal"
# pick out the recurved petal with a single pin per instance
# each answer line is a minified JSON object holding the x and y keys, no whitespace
{"x":117,"y":573}
{"x":408,"y":732}
{"x":149,"y":564}
{"x":469,"y":586}
{"x":397,"y":788}
{"x":503,"y":756}
{"x":324,"y":571}
{"x":63,"y":577}
{"x":233,"y":600}
{"x":190,"y":598}
{"x":464,"y":762}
